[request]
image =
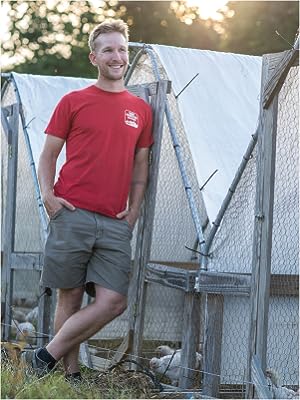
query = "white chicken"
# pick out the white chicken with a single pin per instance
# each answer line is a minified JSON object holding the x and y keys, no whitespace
{"x":166,"y":350}
{"x":170,"y":363}
{"x":278,"y":391}
{"x":24,"y":332}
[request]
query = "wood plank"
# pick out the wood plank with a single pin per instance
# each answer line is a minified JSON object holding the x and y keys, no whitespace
{"x":10,"y":213}
{"x":212,"y":344}
{"x":190,"y":338}
{"x":218,"y":282}
{"x":32,"y":261}
{"x":158,"y":106}
{"x":274,"y":84}
{"x":259,"y":380}
{"x":84,"y":352}
{"x":262,"y":237}
{"x":44,"y":318}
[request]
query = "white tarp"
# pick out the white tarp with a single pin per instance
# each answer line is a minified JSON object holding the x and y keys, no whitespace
{"x":39,"y":95}
{"x":219,"y":109}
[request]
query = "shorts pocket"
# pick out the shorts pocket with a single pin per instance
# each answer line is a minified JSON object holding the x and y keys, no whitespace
{"x":57,"y":213}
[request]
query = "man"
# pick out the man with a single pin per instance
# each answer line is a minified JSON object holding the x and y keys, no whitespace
{"x":95,"y":202}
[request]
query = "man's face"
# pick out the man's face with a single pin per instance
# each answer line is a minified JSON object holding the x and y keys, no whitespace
{"x":110,"y":55}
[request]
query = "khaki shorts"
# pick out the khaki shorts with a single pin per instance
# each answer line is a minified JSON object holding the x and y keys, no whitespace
{"x":84,"y":248}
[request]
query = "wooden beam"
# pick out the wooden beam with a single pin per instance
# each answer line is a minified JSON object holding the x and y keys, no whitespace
{"x":259,"y":380}
{"x":262,"y":236}
{"x":212,"y":344}
{"x":32,"y":261}
{"x":147,"y":217}
{"x":225,"y":283}
{"x":276,"y":80}
{"x":190,"y":336}
{"x":12,"y":118}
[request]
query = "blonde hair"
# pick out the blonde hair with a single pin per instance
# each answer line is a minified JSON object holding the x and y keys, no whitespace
{"x":107,"y":26}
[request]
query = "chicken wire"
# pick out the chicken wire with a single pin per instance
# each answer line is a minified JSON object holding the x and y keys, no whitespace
{"x":283,"y":329}
{"x":27,"y":234}
{"x":231,"y":251}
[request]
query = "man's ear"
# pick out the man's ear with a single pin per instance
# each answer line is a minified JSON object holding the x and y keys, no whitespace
{"x":92,"y":58}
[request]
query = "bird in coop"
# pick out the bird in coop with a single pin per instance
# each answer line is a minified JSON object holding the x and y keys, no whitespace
{"x":279,"y":391}
{"x":169,"y":364}
{"x":165,"y":350}
{"x":24,"y":332}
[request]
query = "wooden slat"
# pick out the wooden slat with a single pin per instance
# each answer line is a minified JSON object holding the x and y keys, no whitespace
{"x":259,"y":380}
{"x":32,"y":261}
{"x":143,"y":254}
{"x":213,"y":345}
{"x":278,"y":76}
{"x":190,"y":335}
{"x":262,"y":237}
{"x":218,"y":282}
{"x":10,"y":211}
{"x":224,"y":283}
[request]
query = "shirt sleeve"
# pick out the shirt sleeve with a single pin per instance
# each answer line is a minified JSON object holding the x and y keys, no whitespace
{"x":146,"y":137}
{"x":61,"y":119}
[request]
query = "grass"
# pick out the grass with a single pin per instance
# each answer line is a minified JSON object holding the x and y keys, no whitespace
{"x":15,"y":384}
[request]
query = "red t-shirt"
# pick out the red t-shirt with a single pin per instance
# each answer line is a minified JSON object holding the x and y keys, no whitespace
{"x":102,"y":130}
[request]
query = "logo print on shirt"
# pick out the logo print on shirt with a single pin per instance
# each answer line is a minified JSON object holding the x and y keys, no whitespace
{"x":131,"y":118}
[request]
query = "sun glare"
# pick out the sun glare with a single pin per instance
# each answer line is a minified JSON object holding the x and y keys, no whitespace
{"x":208,"y":8}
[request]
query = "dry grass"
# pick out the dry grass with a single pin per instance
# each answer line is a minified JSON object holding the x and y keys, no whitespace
{"x":117,"y":384}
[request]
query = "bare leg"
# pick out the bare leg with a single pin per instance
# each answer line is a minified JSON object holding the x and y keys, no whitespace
{"x":68,"y":302}
{"x":87,"y":321}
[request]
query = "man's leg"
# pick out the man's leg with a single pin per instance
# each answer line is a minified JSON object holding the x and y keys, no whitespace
{"x":68,"y":302}
{"x":87,"y":321}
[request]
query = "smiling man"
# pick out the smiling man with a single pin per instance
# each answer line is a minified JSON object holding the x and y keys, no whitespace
{"x":95,"y":202}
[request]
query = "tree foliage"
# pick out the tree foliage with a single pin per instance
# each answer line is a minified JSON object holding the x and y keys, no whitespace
{"x":50,"y":37}
{"x":252,"y":29}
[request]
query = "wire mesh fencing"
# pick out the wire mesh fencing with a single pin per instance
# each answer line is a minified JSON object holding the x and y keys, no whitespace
{"x":283,"y":326}
{"x":27,"y":228}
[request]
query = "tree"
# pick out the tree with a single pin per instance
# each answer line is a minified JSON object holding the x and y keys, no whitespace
{"x":51,"y":38}
{"x":251,"y":29}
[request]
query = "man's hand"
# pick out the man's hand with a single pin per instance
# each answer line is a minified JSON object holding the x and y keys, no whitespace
{"x":53,"y":204}
{"x":130,"y":216}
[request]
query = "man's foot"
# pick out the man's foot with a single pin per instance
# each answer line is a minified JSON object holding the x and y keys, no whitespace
{"x":74,"y":378}
{"x":35,"y":364}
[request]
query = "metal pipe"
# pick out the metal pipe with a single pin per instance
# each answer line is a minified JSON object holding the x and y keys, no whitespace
{"x":133,"y":65}
{"x":177,"y":147}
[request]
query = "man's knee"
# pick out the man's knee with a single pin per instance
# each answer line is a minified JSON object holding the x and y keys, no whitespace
{"x":115,"y":302}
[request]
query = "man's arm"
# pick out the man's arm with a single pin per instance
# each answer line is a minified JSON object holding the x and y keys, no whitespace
{"x":138,"y":186}
{"x":46,"y":175}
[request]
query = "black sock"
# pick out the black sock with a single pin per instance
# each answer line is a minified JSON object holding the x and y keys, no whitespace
{"x":45,"y":356}
{"x":74,"y":376}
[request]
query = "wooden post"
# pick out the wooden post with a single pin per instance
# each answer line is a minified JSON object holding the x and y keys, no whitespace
{"x":11,"y":113}
{"x":44,"y":317}
{"x":146,"y":226}
{"x":212,"y":344}
{"x":190,"y":339}
{"x":262,"y":239}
